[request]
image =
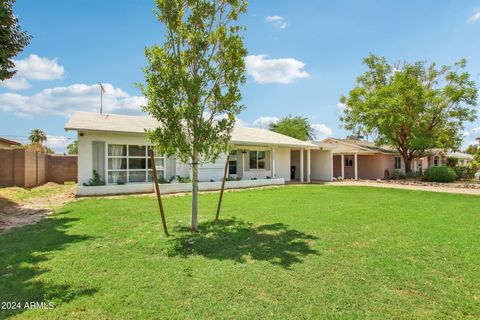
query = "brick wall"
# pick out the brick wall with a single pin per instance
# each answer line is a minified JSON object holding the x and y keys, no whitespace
{"x":62,"y":168}
{"x":29,"y":169}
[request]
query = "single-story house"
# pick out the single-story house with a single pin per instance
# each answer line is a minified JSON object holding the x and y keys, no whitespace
{"x":116,"y":146}
{"x":358,"y":159}
{"x":8,"y":144}
{"x":373,"y":162}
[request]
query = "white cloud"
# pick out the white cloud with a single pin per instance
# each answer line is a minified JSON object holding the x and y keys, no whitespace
{"x":321,"y":130}
{"x":277,"y":21}
{"x":474,"y":18}
{"x":477,"y":129}
{"x":341,"y":106}
{"x":241,"y":123}
{"x":264,"y":122}
{"x":284,"y":70}
{"x":66,"y":100}
{"x":33,"y":68}
{"x":58,"y":143}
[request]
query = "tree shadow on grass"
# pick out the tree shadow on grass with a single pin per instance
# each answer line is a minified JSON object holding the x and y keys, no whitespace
{"x":237,"y":240}
{"x":22,"y":251}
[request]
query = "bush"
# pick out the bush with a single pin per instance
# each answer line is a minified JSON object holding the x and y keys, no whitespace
{"x":397,"y":175}
{"x":96,"y":180}
{"x":465,"y":172}
{"x":440,"y":174}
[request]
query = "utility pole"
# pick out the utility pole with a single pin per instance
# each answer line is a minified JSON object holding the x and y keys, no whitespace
{"x":102,"y":91}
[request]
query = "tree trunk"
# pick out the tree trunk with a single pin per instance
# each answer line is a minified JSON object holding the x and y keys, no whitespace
{"x":194,"y":190}
{"x":408,"y":164}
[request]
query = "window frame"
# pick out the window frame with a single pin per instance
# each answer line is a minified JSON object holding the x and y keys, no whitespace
{"x":146,"y":157}
{"x":264,"y":160}
{"x":399,"y":166}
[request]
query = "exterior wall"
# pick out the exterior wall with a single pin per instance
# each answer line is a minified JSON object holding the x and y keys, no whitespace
{"x":85,"y":155}
{"x":295,"y":154}
{"x":5,"y":145}
{"x":207,"y":171}
{"x":321,"y":165}
{"x":6,"y":168}
{"x":282,"y":163}
{"x":337,"y":166}
{"x":174,"y":188}
{"x":62,"y":168}
{"x":29,"y":169}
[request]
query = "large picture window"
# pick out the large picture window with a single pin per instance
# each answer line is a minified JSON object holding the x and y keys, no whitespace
{"x":257,"y":160}
{"x":131,"y":163}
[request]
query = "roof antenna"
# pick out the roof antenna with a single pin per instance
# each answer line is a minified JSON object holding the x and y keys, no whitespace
{"x":102,"y":91}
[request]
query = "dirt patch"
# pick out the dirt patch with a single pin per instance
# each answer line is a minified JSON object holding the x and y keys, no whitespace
{"x":19,"y":207}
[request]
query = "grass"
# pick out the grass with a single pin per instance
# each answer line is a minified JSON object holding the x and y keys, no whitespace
{"x":296,"y":252}
{"x":18,"y":195}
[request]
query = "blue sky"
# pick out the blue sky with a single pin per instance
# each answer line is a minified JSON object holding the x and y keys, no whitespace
{"x":303,"y":56}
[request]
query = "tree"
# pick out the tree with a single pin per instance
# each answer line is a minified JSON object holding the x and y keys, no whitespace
{"x":295,"y":127}
{"x":472,"y":149}
{"x":411,"y":107}
{"x":12,"y":39}
{"x":192,"y":81}
{"x":37,"y":136}
{"x":72,"y":147}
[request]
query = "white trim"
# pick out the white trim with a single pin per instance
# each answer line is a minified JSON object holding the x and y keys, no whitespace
{"x":127,"y":157}
{"x":174,"y":187}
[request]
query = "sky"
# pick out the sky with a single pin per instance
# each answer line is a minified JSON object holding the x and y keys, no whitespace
{"x":302,"y":56}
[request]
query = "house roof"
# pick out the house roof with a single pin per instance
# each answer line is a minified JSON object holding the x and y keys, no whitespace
{"x":451,"y":154}
{"x":11,"y":142}
{"x":358,"y":146}
{"x":90,"y":121}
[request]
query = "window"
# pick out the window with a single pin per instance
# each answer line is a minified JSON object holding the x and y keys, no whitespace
{"x":232,"y":162}
{"x":131,"y":163}
{"x":257,"y":160}
{"x":398,"y":163}
{"x":348,"y":162}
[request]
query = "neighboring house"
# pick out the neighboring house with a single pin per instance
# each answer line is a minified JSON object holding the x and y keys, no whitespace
{"x":438,"y":157}
{"x":116,"y":147}
{"x":8,"y":144}
{"x":357,"y":159}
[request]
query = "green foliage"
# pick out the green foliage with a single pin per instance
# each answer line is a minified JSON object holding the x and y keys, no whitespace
{"x":12,"y":39}
{"x":295,"y":127}
{"x":310,"y":252}
{"x":37,"y":136}
{"x":398,"y":175}
{"x":72,"y":148}
{"x":440,"y":174}
{"x":96,"y":180}
{"x":231,"y":178}
{"x":452,"y":162}
{"x":193,"y":80}
{"x":181,"y":179}
{"x":412,"y":107}
{"x":466,"y":172}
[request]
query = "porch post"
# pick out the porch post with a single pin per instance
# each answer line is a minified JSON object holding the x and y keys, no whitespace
{"x":308,"y":165}
{"x":273,"y":162}
{"x":243,"y":163}
{"x":356,"y":166}
{"x":343,"y":166}
{"x":301,"y":165}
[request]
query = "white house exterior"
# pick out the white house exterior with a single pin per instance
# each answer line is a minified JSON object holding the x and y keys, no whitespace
{"x":116,"y":147}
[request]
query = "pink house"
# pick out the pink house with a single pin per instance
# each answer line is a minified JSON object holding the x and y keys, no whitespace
{"x":358,"y":159}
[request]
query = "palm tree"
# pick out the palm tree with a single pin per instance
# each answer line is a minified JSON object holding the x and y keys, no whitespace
{"x":37,"y":136}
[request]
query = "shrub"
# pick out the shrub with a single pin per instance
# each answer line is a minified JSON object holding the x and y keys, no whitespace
{"x":96,"y":180}
{"x":465,"y":172}
{"x":440,"y":174}
{"x":397,"y":174}
{"x":413,"y":175}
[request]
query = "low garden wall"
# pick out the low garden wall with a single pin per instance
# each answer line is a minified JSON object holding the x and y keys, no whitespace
{"x":173,"y":187}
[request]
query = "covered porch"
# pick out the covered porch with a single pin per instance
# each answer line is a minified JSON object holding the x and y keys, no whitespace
{"x":311,"y":164}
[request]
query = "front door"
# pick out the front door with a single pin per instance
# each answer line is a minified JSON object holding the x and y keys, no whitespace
{"x":348,"y":167}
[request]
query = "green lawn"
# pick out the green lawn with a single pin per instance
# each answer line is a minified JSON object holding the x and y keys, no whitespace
{"x":296,"y":252}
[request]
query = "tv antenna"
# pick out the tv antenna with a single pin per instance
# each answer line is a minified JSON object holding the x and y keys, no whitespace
{"x":102,"y":91}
